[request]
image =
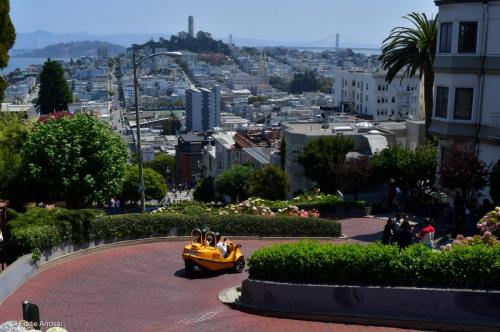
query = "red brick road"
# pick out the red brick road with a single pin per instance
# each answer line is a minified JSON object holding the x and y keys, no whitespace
{"x":143,"y":288}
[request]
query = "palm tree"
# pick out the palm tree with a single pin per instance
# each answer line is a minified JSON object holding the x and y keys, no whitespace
{"x":409,"y":50}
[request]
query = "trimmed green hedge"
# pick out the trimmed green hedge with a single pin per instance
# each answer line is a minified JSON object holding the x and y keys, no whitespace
{"x":140,"y":225}
{"x":40,"y":229}
{"x":476,"y":266}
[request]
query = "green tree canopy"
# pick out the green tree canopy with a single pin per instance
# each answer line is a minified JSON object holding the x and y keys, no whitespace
{"x":204,"y":191}
{"x":13,"y":133}
{"x":411,"y":50}
{"x":462,"y":169}
{"x":203,"y":42}
{"x":7,"y":39}
{"x":304,"y":82}
{"x":269,"y":182}
{"x":154,"y":184}
{"x":320,"y":158}
{"x":171,"y":126}
{"x":233,"y":182}
{"x":54,"y":94}
{"x":76,"y":159}
{"x":162,"y":164}
{"x":412,"y":171}
{"x":279,"y":83}
{"x":257,"y":99}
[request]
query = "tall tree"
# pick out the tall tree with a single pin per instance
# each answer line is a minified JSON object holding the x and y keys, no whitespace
{"x":269,"y":182}
{"x":54,"y":94}
{"x":412,"y":171}
{"x":411,"y":50}
{"x":205,"y":191}
{"x":233,"y":182}
{"x":353,"y":174}
{"x":77,"y":159}
{"x":283,"y":153}
{"x":154,"y":185}
{"x":320,"y":158}
{"x":171,"y":126}
{"x":13,"y":133}
{"x":162,"y":163}
{"x":462,"y":169}
{"x":7,"y":39}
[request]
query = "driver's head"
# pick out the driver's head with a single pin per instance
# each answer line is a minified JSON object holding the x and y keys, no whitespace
{"x":224,"y":239}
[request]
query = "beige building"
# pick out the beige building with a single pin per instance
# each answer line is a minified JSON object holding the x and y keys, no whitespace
{"x":368,"y":139}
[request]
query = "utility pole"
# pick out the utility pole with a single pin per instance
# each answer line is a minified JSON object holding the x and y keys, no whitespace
{"x":136,"y":63}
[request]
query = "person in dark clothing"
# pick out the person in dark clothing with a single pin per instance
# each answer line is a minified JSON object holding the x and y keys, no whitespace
{"x":388,"y":232}
{"x":405,"y":235}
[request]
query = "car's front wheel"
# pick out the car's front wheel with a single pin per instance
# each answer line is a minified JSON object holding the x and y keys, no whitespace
{"x":239,"y":265}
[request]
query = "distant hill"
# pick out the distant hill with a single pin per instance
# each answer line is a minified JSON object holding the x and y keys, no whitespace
{"x":72,"y":50}
{"x":40,"y":39}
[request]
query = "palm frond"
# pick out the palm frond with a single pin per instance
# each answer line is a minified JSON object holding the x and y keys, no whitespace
{"x":408,"y":50}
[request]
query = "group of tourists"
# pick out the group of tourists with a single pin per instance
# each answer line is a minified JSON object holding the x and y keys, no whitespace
{"x":398,"y":230}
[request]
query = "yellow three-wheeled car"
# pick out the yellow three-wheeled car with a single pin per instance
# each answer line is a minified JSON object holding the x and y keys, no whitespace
{"x":202,"y":253}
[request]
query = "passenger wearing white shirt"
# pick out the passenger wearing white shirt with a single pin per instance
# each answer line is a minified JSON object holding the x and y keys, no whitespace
{"x":222,"y":247}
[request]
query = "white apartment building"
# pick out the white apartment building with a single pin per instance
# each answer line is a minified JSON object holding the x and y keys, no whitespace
{"x":241,"y":80}
{"x":467,"y":77}
{"x":367,"y":93}
{"x":203,"y":108}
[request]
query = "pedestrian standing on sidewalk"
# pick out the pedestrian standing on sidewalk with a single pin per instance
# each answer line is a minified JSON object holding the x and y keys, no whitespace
{"x":405,"y":235}
{"x":387,"y":238}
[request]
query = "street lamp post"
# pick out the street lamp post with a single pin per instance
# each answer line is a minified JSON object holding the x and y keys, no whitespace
{"x":137,"y":120}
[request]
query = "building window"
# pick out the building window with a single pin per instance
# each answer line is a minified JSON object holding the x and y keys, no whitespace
{"x":467,"y":37}
{"x":463,"y":103}
{"x":445,"y":35}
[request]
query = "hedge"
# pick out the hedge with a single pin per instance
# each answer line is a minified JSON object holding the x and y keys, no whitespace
{"x":140,"y":225}
{"x":40,"y":229}
{"x":476,"y":266}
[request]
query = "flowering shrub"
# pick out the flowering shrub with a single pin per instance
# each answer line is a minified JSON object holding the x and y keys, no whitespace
{"x":486,"y":239}
{"x":258,"y":206}
{"x":490,"y":222}
{"x":54,"y":116}
{"x":314,"y":199}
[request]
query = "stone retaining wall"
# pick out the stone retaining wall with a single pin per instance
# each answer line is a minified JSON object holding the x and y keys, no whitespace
{"x":422,"y":308}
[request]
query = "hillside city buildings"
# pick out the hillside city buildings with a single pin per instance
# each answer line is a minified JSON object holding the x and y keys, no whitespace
{"x":236,"y":108}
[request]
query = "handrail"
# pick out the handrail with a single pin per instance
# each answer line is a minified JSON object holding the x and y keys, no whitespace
{"x":193,"y":237}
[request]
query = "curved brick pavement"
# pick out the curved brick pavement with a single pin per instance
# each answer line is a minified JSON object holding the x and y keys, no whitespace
{"x":143,"y":288}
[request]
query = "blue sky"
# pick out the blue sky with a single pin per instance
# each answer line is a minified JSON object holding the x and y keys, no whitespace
{"x":363,"y":21}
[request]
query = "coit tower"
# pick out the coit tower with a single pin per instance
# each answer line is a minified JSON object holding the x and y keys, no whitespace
{"x":191,"y":26}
